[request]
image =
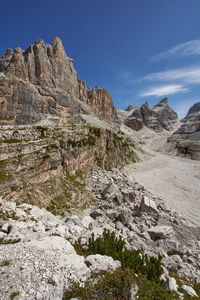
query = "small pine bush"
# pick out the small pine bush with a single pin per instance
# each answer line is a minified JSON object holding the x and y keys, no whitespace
{"x":111,"y":245}
{"x":107,"y":286}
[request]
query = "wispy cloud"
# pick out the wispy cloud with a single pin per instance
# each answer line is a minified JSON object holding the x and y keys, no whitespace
{"x":166,"y":90}
{"x":185,"y":75}
{"x":182,"y":50}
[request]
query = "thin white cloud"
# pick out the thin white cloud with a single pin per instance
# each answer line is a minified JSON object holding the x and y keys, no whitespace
{"x":183,"y":75}
{"x":166,"y":90}
{"x":182,"y":50}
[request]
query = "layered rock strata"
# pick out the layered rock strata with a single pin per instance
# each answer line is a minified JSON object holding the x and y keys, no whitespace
{"x":42,"y":81}
{"x":160,"y":117}
{"x":99,"y":99}
{"x":35,"y":161}
{"x":187,"y":138}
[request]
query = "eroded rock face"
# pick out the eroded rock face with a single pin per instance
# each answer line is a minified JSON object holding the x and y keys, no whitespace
{"x":187,"y":138}
{"x":41,"y":81}
{"x":43,"y":65}
{"x":135,"y":121}
{"x":99,"y":99}
{"x":160,"y":117}
{"x":34,"y":160}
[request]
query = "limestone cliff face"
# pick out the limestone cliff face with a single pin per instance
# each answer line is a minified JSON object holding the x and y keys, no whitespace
{"x":41,"y":81}
{"x":135,"y":120}
{"x":44,"y":65}
{"x":160,"y":117}
{"x":99,"y":99}
{"x":36,"y":83}
{"x":187,"y":138}
{"x":35,"y":161}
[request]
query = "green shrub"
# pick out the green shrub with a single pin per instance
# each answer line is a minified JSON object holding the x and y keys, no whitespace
{"x":110,"y":285}
{"x":14,"y":295}
{"x":95,"y":131}
{"x":117,"y":286}
{"x":150,"y":290}
{"x":5,"y":263}
{"x":111,"y":245}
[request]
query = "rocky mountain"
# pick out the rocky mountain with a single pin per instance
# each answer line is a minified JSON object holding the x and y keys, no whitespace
{"x":186,"y":139}
{"x":42,"y":81}
{"x":130,"y":107}
{"x":160,"y":117}
{"x":43,"y":112}
{"x":67,"y":210}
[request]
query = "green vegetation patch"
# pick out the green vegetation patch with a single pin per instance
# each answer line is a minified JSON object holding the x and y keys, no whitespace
{"x":73,"y":196}
{"x":14,"y":295}
{"x":42,"y":131}
{"x":11,"y":141}
{"x":111,"y":245}
{"x":5,"y":215}
{"x":181,"y":281}
{"x":5,"y":263}
{"x":95,"y":131}
{"x":8,"y":242}
{"x":5,"y":175}
{"x":89,"y":139}
{"x":137,"y":268}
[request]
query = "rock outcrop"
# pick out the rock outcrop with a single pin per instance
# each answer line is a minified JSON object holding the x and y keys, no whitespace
{"x":160,"y":117}
{"x":99,"y":99}
{"x":36,"y":161}
{"x":135,"y":120}
{"x":40,"y":82}
{"x":186,"y":139}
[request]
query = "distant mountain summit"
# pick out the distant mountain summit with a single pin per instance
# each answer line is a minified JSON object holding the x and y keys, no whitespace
{"x":160,"y":117}
{"x":130,"y":107}
{"x":187,"y":138}
{"x":195,"y":109}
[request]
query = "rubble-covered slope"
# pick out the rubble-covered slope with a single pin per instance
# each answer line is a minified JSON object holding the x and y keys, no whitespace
{"x":38,"y":257}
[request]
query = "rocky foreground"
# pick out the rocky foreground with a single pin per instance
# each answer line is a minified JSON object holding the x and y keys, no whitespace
{"x":37,"y":257}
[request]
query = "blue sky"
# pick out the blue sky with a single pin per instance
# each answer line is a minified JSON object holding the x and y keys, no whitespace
{"x":140,"y":50}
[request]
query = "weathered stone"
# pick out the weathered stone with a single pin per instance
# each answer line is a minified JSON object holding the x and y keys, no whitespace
{"x":87,"y":222}
{"x":172,"y":285}
{"x":96,"y":213}
{"x":112,"y":193}
{"x":148,"y":206}
{"x":98,"y":263}
{"x":172,"y":247}
{"x":172,"y":262}
{"x":189,"y":290}
{"x":99,"y":99}
{"x":160,"y":232}
{"x":6,"y":228}
{"x":134,"y":292}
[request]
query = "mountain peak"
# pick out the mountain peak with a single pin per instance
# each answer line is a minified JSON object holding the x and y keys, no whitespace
{"x":194,"y":109}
